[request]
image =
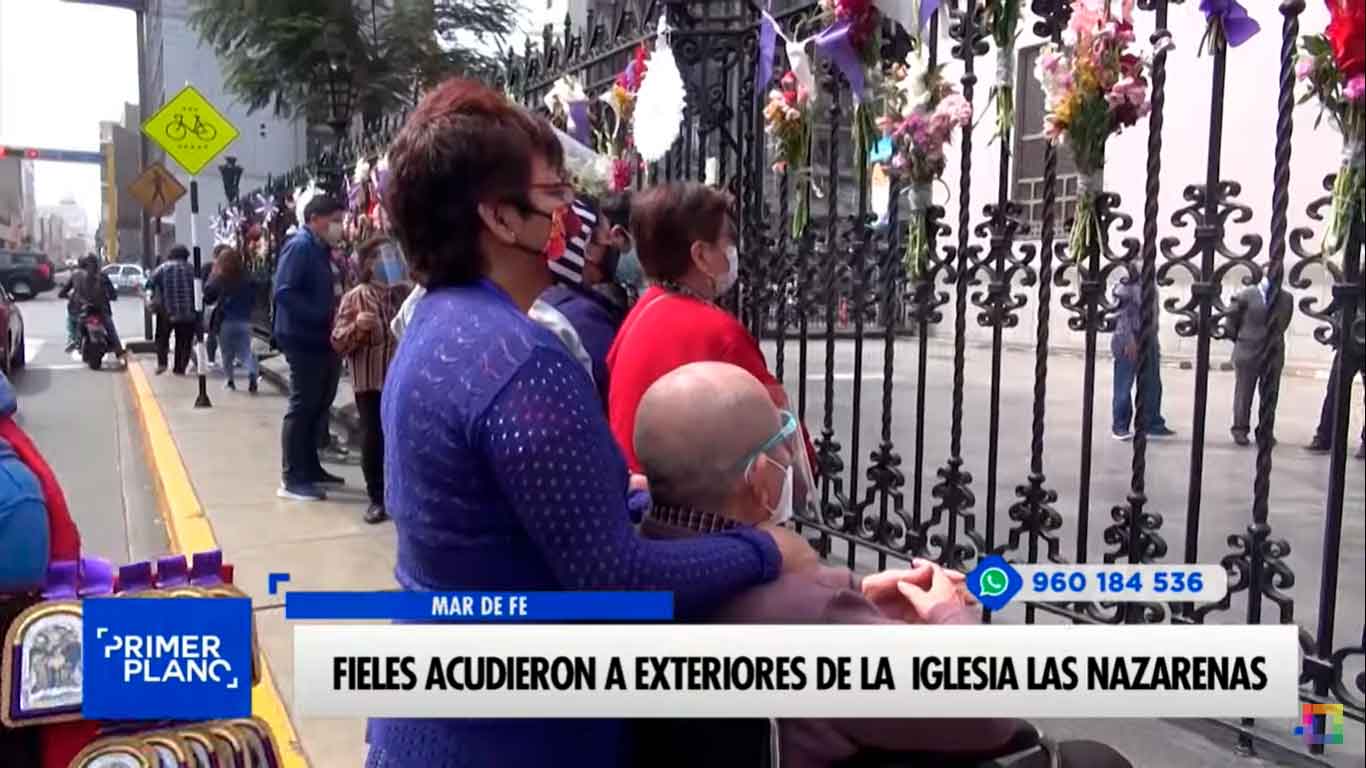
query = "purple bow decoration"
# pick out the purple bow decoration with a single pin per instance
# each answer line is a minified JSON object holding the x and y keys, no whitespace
{"x":353,"y":190}
{"x":834,"y":43}
{"x":1232,"y":16}
{"x":763,"y":71}
{"x":381,"y":181}
{"x":136,"y":577}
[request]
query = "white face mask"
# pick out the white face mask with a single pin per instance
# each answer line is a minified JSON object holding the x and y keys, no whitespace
{"x":783,"y":511}
{"x":335,"y":232}
{"x":728,"y":280}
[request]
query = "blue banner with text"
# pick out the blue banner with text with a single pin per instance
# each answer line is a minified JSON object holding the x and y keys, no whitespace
{"x":158,"y":658}
{"x":531,"y":607}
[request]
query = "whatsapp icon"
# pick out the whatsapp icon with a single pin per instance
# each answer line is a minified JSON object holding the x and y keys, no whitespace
{"x":994,"y":582}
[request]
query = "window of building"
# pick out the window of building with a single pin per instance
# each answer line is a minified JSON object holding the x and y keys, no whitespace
{"x":1030,"y":145}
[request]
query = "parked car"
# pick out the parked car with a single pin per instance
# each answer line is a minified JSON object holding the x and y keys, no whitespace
{"x":26,"y":274}
{"x":12,"y":353}
{"x":127,"y":278}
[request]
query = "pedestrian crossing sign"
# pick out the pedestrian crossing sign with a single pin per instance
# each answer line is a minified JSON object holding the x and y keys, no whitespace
{"x":190,"y":130}
{"x":157,"y":189}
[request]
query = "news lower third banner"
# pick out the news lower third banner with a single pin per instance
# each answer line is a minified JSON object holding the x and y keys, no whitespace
{"x":720,"y":671}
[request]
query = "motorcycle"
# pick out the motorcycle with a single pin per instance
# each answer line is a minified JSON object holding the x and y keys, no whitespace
{"x":94,"y":338}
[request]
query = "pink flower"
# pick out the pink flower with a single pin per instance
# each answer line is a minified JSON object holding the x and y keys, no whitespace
{"x":1304,"y":67}
{"x":955,"y":108}
{"x":780,"y":166}
{"x":1355,"y":88}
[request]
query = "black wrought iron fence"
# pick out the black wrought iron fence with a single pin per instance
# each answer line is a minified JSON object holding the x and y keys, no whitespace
{"x":839,"y":294}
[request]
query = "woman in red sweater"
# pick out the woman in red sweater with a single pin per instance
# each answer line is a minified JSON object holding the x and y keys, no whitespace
{"x":686,"y":245}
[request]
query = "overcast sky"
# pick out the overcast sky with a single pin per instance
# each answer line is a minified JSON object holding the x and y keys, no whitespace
{"x":63,"y":69}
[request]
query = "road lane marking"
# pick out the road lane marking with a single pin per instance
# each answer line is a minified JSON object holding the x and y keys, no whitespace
{"x":191,"y":532}
{"x":31,"y":349}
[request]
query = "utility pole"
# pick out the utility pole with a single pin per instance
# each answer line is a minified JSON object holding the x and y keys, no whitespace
{"x":148,"y":259}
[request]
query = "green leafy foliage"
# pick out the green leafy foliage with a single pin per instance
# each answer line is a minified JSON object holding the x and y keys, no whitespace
{"x":276,"y":53}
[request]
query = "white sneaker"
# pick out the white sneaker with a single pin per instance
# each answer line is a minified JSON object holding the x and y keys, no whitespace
{"x":300,"y":493}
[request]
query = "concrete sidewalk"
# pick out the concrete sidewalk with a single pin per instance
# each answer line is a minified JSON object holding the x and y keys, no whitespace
{"x":231,"y":454}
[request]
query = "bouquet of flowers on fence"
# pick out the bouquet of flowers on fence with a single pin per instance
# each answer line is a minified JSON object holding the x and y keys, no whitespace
{"x":1003,"y":19}
{"x":1095,"y":86}
{"x":923,"y":110}
{"x":787,"y":119}
{"x":615,"y":141}
{"x":1334,"y":66}
{"x":853,"y":43}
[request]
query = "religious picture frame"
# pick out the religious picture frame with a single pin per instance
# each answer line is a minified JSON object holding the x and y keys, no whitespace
{"x":41,"y":665}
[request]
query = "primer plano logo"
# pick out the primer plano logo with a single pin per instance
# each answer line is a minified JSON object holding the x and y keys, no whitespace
{"x":155,"y":658}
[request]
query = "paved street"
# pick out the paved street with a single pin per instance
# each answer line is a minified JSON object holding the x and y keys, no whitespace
{"x":83,"y":422}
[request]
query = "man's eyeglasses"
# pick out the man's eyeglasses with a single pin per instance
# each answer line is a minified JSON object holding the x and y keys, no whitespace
{"x":786,"y":430}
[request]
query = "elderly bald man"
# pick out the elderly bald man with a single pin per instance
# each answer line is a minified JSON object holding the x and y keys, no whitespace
{"x":720,"y":455}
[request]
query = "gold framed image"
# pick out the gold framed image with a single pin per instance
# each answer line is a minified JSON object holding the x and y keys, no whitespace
{"x":207,"y":750}
{"x":171,"y":750}
{"x":220,"y":730}
{"x":41,"y":665}
{"x":119,"y":752}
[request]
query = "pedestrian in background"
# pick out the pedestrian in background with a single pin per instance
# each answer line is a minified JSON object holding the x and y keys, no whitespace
{"x":1255,"y":319}
{"x":1124,"y":345}
{"x":172,"y":286}
{"x":303,"y":311}
{"x":215,"y":315}
{"x":362,"y":335}
{"x":1323,"y":434}
{"x":234,"y":294}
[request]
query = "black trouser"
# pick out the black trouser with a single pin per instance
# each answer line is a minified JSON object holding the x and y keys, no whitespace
{"x":372,"y":445}
{"x":1324,"y":433}
{"x":184,"y":341}
{"x":1247,"y":379}
{"x":309,"y":374}
{"x":329,"y":397}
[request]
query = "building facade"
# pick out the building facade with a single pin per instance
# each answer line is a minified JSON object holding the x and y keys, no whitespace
{"x":175,"y":57}
{"x":17,"y":206}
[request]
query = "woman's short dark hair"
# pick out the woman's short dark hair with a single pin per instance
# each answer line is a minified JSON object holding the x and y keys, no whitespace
{"x":322,"y":205}
{"x":463,"y":145}
{"x":616,"y":207}
{"x":666,"y":220}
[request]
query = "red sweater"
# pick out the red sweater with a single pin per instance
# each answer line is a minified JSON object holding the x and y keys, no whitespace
{"x":665,"y":331}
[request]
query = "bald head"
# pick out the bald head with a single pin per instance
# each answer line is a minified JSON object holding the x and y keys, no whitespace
{"x":693,"y":429}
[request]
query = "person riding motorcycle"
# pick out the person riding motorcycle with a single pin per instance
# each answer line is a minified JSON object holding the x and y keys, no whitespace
{"x":88,"y":287}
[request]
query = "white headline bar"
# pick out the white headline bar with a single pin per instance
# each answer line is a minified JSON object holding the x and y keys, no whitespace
{"x":755,"y":670}
{"x":1121,"y":583}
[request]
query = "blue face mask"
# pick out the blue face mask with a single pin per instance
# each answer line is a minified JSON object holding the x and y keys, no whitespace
{"x":389,"y":270}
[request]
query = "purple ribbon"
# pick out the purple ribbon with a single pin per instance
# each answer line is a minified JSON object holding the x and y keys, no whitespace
{"x":206,"y":570}
{"x":927,"y":10}
{"x":136,"y":577}
{"x":63,"y":577}
{"x":172,"y":571}
{"x":1238,"y":26}
{"x":381,"y":182}
{"x":353,"y":190}
{"x":763,"y":71}
{"x":579,"y":125}
{"x":834,"y":44}
{"x":97,"y":577}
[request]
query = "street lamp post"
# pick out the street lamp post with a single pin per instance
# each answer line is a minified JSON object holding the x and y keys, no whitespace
{"x":340,"y":102}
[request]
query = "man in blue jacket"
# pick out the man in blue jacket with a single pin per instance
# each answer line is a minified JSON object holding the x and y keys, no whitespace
{"x":303,"y":302}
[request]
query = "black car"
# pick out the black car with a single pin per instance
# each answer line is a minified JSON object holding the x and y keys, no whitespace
{"x":26,"y":273}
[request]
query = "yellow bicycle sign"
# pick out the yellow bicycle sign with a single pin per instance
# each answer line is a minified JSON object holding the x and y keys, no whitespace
{"x":190,"y":130}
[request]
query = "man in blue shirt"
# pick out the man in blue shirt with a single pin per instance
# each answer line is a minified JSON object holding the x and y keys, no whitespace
{"x":24,"y":528}
{"x":303,"y":311}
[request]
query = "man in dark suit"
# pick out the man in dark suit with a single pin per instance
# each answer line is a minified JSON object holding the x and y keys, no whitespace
{"x":1256,"y":320}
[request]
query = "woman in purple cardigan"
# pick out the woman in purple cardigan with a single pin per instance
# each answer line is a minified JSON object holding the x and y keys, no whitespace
{"x":500,"y":470}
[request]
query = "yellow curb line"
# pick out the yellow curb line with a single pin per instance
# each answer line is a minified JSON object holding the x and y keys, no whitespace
{"x":190,"y":532}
